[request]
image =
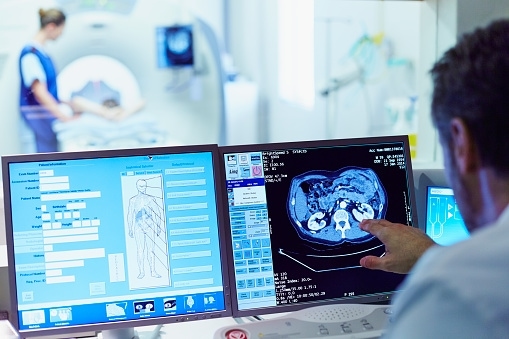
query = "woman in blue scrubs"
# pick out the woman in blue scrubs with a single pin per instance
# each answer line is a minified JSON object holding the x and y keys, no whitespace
{"x":39,"y":103}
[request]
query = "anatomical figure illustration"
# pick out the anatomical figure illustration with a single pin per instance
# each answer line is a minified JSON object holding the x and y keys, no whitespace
{"x":326,"y":207}
{"x":145,"y":223}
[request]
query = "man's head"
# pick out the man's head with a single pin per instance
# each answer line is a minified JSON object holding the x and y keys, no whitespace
{"x":470,"y":108}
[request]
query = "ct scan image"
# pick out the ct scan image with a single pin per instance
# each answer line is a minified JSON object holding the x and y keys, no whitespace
{"x":327,"y":207}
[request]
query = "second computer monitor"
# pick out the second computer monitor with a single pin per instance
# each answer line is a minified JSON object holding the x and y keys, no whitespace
{"x":438,"y":212}
{"x":444,"y":223}
{"x":439,"y":216}
{"x":294,"y":212}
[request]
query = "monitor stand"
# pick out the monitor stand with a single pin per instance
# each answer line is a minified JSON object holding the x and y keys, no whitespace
{"x":131,"y":333}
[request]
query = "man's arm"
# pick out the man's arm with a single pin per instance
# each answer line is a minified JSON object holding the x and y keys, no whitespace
{"x":404,"y":245}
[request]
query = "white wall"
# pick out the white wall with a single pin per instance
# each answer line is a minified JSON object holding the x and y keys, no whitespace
{"x":252,"y":43}
{"x":473,"y":13}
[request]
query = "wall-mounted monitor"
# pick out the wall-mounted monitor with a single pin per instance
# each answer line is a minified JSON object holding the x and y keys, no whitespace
{"x":175,"y":46}
{"x":294,"y":211}
{"x":104,"y":240}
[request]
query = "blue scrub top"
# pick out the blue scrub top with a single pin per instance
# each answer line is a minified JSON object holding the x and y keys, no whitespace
{"x":39,"y":119}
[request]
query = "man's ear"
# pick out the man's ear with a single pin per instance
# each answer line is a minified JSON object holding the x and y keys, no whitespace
{"x":463,"y":147}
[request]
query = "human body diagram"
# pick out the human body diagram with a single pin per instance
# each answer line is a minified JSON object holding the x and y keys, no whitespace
{"x":145,"y":221}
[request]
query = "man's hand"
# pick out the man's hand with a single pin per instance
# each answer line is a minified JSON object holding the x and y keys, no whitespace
{"x":404,"y":245}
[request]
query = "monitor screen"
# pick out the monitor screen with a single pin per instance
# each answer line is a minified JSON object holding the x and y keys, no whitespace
{"x":444,"y":223}
{"x":174,"y":46}
{"x":111,"y":239}
{"x":294,"y":211}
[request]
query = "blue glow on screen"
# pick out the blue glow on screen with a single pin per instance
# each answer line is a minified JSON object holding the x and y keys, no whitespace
{"x":444,"y":223}
{"x":112,"y":239}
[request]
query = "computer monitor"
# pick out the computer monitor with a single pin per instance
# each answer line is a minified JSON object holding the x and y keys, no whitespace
{"x":294,"y":211}
{"x":438,"y":212}
{"x":113,"y":239}
{"x":444,"y":223}
{"x":175,"y":46}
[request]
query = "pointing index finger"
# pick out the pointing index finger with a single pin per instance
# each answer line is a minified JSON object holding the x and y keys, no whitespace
{"x":373,"y":226}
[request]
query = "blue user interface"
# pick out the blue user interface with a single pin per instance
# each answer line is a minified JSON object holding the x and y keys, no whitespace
{"x":444,"y":223}
{"x":103,"y":240}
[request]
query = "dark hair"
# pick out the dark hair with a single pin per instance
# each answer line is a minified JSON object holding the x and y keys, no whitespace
{"x":51,"y":16}
{"x":471,"y":82}
{"x":110,"y":103}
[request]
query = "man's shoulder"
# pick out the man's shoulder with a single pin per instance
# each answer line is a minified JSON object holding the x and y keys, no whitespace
{"x":473,"y":272}
{"x":482,"y":252}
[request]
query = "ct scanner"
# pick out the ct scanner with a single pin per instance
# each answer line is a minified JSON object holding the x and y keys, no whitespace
{"x":114,"y":42}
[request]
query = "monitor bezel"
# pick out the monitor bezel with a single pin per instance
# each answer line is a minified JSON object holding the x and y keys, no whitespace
{"x":423,"y":178}
{"x":58,"y":156}
{"x":427,"y":204}
{"x":383,"y":299}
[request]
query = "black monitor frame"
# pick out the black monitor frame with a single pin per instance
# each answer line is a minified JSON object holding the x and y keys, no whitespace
{"x":383,"y":298}
{"x":149,"y":152}
{"x":423,"y":178}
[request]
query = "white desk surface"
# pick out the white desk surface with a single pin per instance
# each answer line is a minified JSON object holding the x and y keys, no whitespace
{"x":3,"y":255}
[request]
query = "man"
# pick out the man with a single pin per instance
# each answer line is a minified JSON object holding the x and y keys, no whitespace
{"x":461,"y":291}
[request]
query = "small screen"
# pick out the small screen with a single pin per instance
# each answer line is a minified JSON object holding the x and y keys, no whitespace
{"x":174,"y":46}
{"x":444,"y":223}
{"x":294,"y":212}
{"x":114,"y":236}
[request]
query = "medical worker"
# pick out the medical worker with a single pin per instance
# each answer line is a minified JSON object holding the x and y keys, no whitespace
{"x":39,"y":103}
{"x":462,"y":290}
